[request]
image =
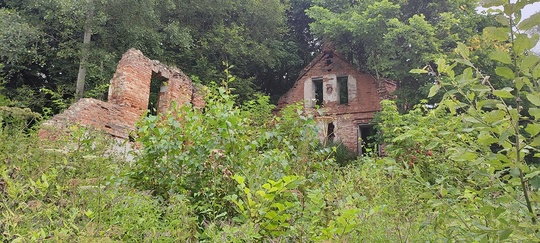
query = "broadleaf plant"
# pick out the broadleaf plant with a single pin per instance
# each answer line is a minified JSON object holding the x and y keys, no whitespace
{"x":500,"y":189}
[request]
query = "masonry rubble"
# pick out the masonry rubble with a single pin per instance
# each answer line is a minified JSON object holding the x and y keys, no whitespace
{"x":129,"y":94}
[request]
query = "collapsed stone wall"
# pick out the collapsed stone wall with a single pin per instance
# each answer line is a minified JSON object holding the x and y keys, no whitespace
{"x":129,"y":94}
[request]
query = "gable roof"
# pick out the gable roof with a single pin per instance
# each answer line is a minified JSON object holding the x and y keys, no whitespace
{"x":327,"y":51}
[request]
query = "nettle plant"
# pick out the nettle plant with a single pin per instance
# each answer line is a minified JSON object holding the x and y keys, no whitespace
{"x":499,"y":198}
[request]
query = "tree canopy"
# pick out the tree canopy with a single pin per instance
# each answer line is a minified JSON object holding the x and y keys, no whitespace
{"x":390,"y":37}
{"x":44,"y":51}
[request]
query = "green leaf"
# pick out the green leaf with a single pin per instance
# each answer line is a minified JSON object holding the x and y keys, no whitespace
{"x":535,"y":182}
{"x":534,"y":112}
{"x":536,"y":72}
{"x":494,"y":116}
{"x":530,"y":22}
{"x":490,"y":103}
{"x":471,"y":95}
{"x":441,"y":65}
{"x":433,"y":90}
{"x":486,"y":139}
{"x":501,"y":56}
{"x":503,"y":94}
{"x":523,"y":42}
{"x":239,"y":179}
{"x":468,"y":156}
{"x":529,"y":61}
{"x":271,"y":214}
{"x":532,"y":174}
{"x":519,"y":83}
{"x":534,"y":98}
{"x":505,"y":72}
{"x":493,"y":33}
{"x":491,"y":3}
{"x":535,"y":142}
{"x":502,"y":20}
{"x":280,"y":207}
{"x":464,"y":61}
{"x":504,"y":234}
{"x":534,"y":37}
{"x":89,"y":213}
{"x":418,"y":71}
{"x":533,"y":129}
{"x":462,"y":50}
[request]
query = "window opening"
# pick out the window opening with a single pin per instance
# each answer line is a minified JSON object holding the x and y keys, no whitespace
{"x":330,"y":135}
{"x":318,"y":89}
{"x":343,"y":90}
{"x":157,"y":82}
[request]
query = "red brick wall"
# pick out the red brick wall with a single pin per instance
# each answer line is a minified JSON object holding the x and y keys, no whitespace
{"x":129,"y":92}
{"x":130,"y":85}
{"x":179,"y":89}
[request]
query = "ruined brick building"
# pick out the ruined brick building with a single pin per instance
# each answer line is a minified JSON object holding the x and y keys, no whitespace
{"x":347,"y":98}
{"x":129,"y":98}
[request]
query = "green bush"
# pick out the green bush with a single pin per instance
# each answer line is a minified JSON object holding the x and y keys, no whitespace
{"x":342,"y":155}
{"x":197,"y":151}
{"x":66,"y":190}
{"x":17,"y":118}
{"x":476,"y":177}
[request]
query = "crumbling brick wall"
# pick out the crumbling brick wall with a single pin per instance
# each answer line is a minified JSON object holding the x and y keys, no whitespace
{"x":364,"y":96}
{"x":129,"y":93}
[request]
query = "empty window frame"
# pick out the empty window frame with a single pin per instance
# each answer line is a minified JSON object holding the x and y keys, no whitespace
{"x":330,"y":133}
{"x":343,"y":90}
{"x":318,"y":91}
{"x":157,"y":82}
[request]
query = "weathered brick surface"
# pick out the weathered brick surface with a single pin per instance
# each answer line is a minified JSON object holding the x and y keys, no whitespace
{"x":129,"y":92}
{"x":364,"y":95}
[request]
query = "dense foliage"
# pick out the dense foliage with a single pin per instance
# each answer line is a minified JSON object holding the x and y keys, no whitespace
{"x":463,"y":168}
{"x":46,"y":45}
{"x":50,"y":50}
{"x":388,"y":38}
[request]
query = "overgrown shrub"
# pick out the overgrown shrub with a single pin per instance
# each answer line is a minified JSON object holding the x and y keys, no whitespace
{"x":66,"y":190}
{"x":196,"y":152}
{"x":17,"y":118}
{"x":342,"y":155}
{"x":480,"y":185}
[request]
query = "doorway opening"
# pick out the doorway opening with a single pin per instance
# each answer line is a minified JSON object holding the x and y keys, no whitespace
{"x":366,"y":140}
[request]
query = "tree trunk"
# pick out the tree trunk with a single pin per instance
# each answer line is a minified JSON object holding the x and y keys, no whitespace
{"x":85,"y":52}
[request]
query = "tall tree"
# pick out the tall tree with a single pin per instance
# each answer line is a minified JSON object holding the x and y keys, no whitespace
{"x":85,"y":49}
{"x":248,"y":34}
{"x":390,"y":37}
{"x":60,"y":24}
{"x":19,"y":43}
{"x":198,"y":36}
